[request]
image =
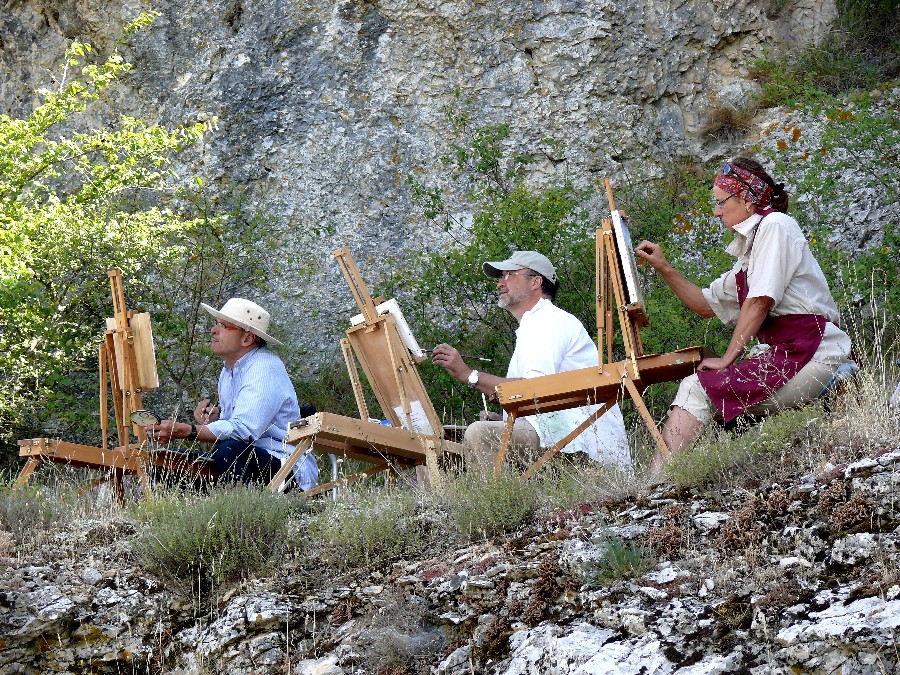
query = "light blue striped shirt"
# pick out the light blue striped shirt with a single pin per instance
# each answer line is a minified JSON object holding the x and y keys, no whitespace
{"x":257,"y":403}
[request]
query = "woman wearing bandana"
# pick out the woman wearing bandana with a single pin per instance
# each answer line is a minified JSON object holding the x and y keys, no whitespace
{"x":775,"y":292}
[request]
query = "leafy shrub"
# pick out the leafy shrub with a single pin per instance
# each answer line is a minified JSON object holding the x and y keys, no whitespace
{"x":368,"y":529}
{"x":484,"y":505}
{"x":222,"y":536}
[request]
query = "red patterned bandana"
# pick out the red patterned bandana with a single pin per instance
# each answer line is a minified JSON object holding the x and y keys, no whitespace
{"x":747,"y":186}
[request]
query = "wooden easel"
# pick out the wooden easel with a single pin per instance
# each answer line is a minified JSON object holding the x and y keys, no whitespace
{"x":415,"y":437}
{"x":127,"y":368}
{"x":611,"y":382}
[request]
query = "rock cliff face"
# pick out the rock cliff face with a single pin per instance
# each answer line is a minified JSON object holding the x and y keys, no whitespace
{"x":325,"y":107}
{"x":803,"y":576}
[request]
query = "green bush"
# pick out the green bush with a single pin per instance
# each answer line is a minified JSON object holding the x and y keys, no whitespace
{"x":484,"y":505}
{"x":368,"y":530}
{"x":223,"y":536}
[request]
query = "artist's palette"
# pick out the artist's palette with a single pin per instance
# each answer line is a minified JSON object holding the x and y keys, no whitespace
{"x":144,"y":418}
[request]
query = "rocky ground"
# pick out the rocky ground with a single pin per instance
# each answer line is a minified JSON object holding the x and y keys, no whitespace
{"x":799,"y":577}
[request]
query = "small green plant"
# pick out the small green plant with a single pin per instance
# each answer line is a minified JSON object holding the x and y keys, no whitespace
{"x":620,"y":560}
{"x":223,"y":536}
{"x":484,"y":505}
{"x":368,"y":529}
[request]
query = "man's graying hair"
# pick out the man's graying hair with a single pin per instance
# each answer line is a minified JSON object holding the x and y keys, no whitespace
{"x":548,"y":287}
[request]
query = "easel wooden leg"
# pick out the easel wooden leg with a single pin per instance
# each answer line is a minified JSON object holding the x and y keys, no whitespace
{"x":431,"y":463}
{"x":288,"y":464}
{"x":87,"y":487}
{"x":354,"y":379}
{"x":144,"y":478}
{"x":649,"y":422}
{"x":563,"y":442}
{"x":27,"y":470}
{"x":504,"y":444}
{"x":119,"y":486}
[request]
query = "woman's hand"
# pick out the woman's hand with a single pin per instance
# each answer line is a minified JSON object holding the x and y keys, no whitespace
{"x":716,"y":363}
{"x":653,"y":254}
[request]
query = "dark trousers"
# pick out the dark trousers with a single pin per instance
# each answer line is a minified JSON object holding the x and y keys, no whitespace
{"x":236,"y":461}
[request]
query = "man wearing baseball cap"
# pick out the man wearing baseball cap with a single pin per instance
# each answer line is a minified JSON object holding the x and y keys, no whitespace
{"x":548,"y":340}
{"x":257,"y":401}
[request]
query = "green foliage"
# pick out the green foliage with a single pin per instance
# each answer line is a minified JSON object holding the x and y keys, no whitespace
{"x":206,"y":539}
{"x":368,"y":529}
{"x":850,"y":149}
{"x":484,"y":505}
{"x":861,"y":51}
{"x":620,"y":560}
{"x":75,"y":204}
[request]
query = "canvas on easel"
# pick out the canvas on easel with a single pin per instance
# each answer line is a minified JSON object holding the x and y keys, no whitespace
{"x":618,"y":297}
{"x":383,"y":346}
{"x":127,"y":369}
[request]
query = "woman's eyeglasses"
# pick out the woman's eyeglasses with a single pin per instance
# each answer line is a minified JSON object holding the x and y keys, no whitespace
{"x":721,"y":202}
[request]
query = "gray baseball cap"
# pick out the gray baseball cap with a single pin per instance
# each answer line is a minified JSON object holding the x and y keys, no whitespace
{"x":520,"y":260}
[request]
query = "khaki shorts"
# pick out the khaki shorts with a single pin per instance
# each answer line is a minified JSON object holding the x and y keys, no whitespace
{"x":802,"y":388}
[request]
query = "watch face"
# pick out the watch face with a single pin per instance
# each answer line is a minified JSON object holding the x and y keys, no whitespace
{"x":473,"y":378}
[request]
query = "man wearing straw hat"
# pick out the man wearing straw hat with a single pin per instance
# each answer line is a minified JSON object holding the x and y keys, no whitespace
{"x":257,"y":401}
{"x":549,"y":340}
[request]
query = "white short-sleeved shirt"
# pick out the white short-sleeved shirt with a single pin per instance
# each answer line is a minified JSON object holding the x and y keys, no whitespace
{"x":549,"y":340}
{"x":780,"y":266}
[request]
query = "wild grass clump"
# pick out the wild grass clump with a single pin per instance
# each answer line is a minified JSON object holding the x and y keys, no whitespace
{"x":28,"y":513}
{"x":483,"y":505}
{"x":620,"y":560}
{"x":786,"y":440}
{"x":369,"y":529}
{"x":568,"y":483}
{"x":222,"y":536}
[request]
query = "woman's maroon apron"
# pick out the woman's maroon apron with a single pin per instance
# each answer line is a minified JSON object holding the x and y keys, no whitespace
{"x":792,"y":340}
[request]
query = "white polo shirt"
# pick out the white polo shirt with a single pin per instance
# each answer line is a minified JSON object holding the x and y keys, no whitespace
{"x":781,"y":267}
{"x":549,"y":340}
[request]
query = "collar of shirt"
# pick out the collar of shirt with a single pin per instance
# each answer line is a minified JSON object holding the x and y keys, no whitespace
{"x":543,"y":302}
{"x":246,"y":358}
{"x":742,"y":231}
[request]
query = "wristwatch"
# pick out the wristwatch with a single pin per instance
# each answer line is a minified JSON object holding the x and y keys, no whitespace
{"x":473,"y":379}
{"x":192,"y":435}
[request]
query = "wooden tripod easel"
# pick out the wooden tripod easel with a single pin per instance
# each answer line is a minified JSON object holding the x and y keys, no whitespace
{"x":610,"y":382}
{"x":415,"y":437}
{"x":127,"y":365}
